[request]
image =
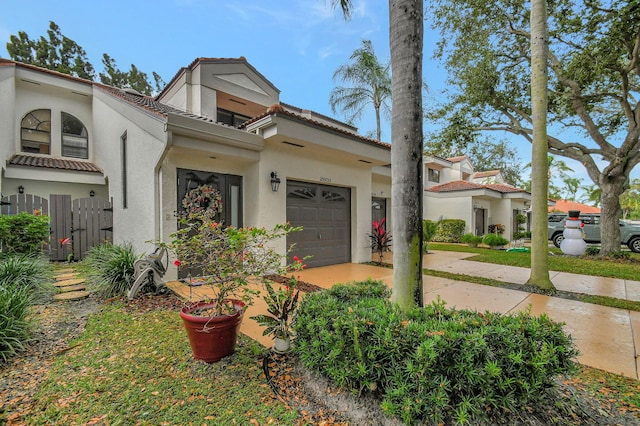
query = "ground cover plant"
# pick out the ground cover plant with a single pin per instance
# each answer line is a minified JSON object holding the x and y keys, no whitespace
{"x":108,"y":269}
{"x":432,"y":364}
{"x":24,"y":281}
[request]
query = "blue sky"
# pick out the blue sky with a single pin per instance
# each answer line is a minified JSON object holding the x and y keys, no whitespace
{"x":296,"y":44}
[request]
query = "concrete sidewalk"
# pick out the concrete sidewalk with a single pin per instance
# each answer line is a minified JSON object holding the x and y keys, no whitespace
{"x":607,"y":338}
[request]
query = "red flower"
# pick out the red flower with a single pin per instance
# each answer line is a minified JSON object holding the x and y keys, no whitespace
{"x":296,"y":259}
{"x":177,"y":262}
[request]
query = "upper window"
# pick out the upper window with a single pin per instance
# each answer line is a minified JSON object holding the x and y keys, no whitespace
{"x":35,"y":132}
{"x":434,"y":175}
{"x":75,"y":139}
{"x":231,"y":118}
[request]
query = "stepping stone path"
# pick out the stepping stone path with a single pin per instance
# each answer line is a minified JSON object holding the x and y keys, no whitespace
{"x":69,"y":286}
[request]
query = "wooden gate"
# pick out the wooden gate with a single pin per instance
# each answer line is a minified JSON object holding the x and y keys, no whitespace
{"x":76,"y":225}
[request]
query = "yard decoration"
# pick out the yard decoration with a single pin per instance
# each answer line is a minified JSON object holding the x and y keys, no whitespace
{"x":232,"y":262}
{"x":573,"y":243}
{"x":203,"y":200}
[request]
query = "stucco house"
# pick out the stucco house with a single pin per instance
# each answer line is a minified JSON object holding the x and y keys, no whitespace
{"x":218,"y":122}
{"x":453,"y":190}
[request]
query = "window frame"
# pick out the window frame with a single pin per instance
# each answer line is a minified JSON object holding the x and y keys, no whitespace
{"x":84,"y":135}
{"x":27,"y":130}
{"x":433,"y":175}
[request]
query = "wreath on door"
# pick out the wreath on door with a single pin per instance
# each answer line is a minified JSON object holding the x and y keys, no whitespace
{"x":203,"y":200}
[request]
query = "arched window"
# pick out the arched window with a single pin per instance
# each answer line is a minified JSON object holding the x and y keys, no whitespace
{"x":75,"y":139}
{"x":35,"y":131}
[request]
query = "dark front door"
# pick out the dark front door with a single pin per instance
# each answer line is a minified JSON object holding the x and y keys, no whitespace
{"x":480,"y":221}
{"x":378,"y":209}
{"x":230,"y":187}
{"x":324,"y":212}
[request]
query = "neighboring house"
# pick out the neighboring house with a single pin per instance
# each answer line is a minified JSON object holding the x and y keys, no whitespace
{"x":454,"y":191}
{"x":563,"y":206}
{"x":218,"y":122}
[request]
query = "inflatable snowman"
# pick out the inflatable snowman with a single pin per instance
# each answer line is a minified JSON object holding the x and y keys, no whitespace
{"x":573,"y":244}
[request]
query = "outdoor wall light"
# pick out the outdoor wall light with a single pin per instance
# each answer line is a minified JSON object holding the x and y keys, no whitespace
{"x":92,"y":193}
{"x":21,"y":189}
{"x":275,"y":181}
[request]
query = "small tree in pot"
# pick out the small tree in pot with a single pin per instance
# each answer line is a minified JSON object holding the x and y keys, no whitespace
{"x":227,"y":258}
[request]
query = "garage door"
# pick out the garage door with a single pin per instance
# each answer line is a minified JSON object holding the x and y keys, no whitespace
{"x":324,"y":212}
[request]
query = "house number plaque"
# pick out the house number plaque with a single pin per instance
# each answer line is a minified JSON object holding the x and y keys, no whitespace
{"x":325,"y":179}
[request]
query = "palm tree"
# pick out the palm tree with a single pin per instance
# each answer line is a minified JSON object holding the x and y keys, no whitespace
{"x":370,"y":84}
{"x":539,"y":276}
{"x":406,"y":41}
{"x":592,"y":194}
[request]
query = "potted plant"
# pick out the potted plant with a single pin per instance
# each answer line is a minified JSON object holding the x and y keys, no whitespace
{"x":495,"y":241}
{"x":471,"y":240}
{"x":380,"y":238}
{"x":225,"y":257}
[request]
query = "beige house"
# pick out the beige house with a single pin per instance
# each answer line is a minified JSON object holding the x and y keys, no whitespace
{"x":218,"y":122}
{"x":453,"y":190}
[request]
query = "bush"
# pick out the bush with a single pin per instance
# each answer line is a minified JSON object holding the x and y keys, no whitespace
{"x":471,"y":239}
{"x":15,"y":326}
{"x":23,"y":233}
{"x":592,"y":251}
{"x":31,"y":272}
{"x":109,"y":269}
{"x":496,"y":229}
{"x":24,"y":280}
{"x":494,"y":240}
{"x":429,"y":228}
{"x":432,"y":364}
{"x":449,"y":231}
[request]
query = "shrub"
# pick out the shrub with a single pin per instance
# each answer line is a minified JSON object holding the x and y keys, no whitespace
{"x":496,"y":229}
{"x":592,"y":251}
{"x":24,"y":280}
{"x":432,"y":364}
{"x":31,"y":272}
{"x":15,"y":326}
{"x":109,"y":269}
{"x":23,"y":233}
{"x":471,"y":239}
{"x":494,"y":240}
{"x":449,"y":231}
{"x":429,"y":228}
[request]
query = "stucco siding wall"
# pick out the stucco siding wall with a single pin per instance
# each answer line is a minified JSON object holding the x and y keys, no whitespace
{"x":449,"y":208}
{"x":7,"y":116}
{"x":137,"y":222}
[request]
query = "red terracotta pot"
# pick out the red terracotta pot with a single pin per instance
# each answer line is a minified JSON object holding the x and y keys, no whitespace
{"x":212,"y":339}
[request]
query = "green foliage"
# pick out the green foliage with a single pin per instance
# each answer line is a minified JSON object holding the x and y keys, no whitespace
{"x":429,"y":229}
{"x":449,"y":231}
{"x":494,"y":240}
{"x":109,"y":269}
{"x":227,"y":256}
{"x":24,"y":281}
{"x":15,"y":327}
{"x":432,"y":364}
{"x":61,"y":54}
{"x":369,"y":82}
{"x":23,"y":233}
{"x":141,"y":363}
{"x":471,"y":239}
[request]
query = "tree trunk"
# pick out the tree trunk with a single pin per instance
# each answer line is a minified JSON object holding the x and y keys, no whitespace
{"x":406,"y":42}
{"x":612,"y":189}
{"x":378,"y":131}
{"x":539,"y":161}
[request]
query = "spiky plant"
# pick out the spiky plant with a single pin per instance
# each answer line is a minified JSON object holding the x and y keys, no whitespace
{"x":109,"y":269}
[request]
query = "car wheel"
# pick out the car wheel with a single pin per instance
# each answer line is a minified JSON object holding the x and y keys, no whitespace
{"x":634,"y":244}
{"x":557,"y":239}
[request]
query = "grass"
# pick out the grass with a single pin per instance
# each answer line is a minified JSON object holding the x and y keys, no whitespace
{"x":135,"y":368}
{"x":557,"y":262}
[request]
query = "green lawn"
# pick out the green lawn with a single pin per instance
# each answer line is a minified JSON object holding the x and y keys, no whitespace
{"x":136,"y":368}
{"x":557,"y":262}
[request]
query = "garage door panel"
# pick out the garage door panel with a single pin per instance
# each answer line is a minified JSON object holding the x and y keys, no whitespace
{"x":324,"y":214}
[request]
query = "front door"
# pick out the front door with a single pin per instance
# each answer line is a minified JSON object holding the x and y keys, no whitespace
{"x":230,"y":187}
{"x":480,"y":221}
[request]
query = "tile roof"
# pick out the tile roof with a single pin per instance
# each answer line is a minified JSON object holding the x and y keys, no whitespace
{"x":566,"y":205}
{"x":278,"y":109}
{"x":9,"y":62}
{"x":487,"y":173}
{"x":53,"y":163}
{"x":463,"y":185}
{"x":458,"y":158}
